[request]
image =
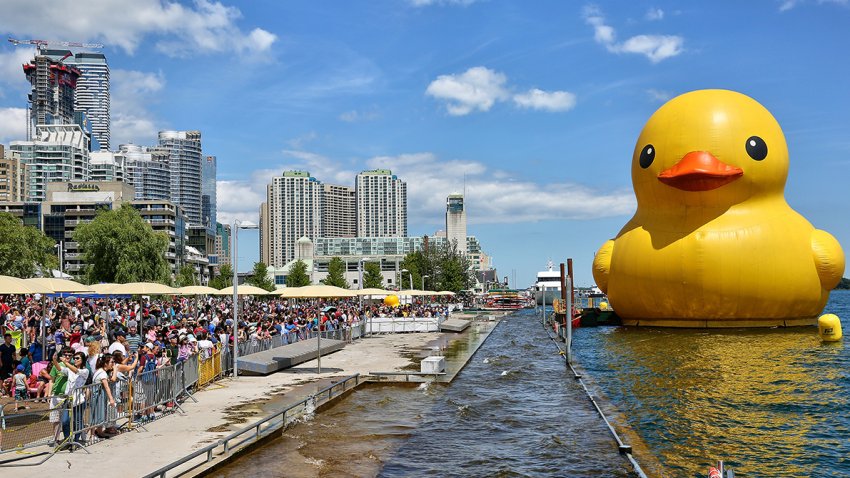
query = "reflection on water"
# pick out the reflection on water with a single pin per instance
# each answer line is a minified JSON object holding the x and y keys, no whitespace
{"x":770,"y":402}
{"x":512,"y":411}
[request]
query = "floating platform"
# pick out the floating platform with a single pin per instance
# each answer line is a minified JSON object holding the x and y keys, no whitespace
{"x":454,"y":325}
{"x":286,"y":356}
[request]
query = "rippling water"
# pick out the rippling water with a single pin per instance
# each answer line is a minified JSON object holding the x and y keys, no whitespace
{"x":513,"y":411}
{"x":770,"y":402}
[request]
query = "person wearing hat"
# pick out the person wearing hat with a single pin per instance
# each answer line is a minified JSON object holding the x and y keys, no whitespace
{"x":120,"y":343}
{"x":20,"y":385}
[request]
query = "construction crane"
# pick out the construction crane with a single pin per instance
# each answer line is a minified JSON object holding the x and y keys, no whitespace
{"x":42,"y":44}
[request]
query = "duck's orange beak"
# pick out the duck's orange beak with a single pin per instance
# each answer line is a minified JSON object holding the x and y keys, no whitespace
{"x":699,"y":171}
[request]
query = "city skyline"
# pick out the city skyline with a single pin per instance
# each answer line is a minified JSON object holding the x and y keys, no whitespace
{"x":535,"y":108}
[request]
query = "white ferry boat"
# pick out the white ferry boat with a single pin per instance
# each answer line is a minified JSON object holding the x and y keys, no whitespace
{"x":548,"y":281}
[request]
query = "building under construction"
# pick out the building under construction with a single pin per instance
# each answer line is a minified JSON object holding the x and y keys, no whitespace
{"x":53,"y":84}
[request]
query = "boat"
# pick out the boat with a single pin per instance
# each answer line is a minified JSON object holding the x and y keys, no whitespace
{"x":503,"y":299}
{"x":548,"y":285}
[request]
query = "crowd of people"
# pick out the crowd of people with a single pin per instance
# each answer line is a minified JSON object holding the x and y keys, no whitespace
{"x":169,"y":329}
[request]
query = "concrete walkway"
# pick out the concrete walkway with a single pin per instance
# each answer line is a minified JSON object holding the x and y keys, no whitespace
{"x":228,"y":405}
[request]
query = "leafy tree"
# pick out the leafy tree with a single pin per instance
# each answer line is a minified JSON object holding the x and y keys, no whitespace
{"x":23,"y":249}
{"x":186,"y":276}
{"x":224,"y":277}
{"x":260,"y":277}
{"x":843,"y":284}
{"x":372,"y":277}
{"x":445,"y":266}
{"x":298,"y":276}
{"x":336,"y":274}
{"x":119,"y":246}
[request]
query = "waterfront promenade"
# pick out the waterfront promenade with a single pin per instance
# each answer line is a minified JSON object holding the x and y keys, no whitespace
{"x":230,"y":404}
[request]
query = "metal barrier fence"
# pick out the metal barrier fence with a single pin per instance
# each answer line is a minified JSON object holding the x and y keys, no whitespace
{"x":395,"y":325}
{"x":262,"y":428}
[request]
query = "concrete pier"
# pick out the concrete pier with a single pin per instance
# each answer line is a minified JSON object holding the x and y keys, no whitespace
{"x":287,"y":356}
{"x":454,"y":325}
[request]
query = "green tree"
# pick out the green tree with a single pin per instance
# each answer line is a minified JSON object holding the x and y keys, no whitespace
{"x":298,"y":276}
{"x":224,"y":277}
{"x":186,"y":276}
{"x":445,"y":266}
{"x":844,"y":283}
{"x":372,"y":277}
{"x":336,"y":274}
{"x":260,"y":277}
{"x":23,"y":249}
{"x":119,"y":246}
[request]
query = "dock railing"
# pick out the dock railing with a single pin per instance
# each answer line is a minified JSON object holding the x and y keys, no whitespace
{"x":260,"y":429}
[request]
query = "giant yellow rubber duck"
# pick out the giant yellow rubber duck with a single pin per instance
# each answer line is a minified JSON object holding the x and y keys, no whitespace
{"x":713,"y":242}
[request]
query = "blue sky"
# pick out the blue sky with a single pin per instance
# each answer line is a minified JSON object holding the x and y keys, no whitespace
{"x":538,"y":104}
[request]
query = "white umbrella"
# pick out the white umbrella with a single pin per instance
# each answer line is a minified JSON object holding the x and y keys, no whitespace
{"x":103,"y":288}
{"x":13,"y":285}
{"x":373,"y":291}
{"x":60,"y":286}
{"x":141,"y":288}
{"x":315,"y":292}
{"x":243,"y":290}
{"x":197,"y":290}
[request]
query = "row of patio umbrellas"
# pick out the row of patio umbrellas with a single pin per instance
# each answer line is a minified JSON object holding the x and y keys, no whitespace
{"x":13,"y":285}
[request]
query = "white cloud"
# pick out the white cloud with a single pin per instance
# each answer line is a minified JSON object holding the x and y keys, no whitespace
{"x":545,"y":100}
{"x":239,"y":200}
{"x":786,"y":5}
{"x":11,"y":70}
{"x":479,"y":88}
{"x":654,"y":14}
{"x":495,"y":196}
{"x":659,"y":95}
{"x":355,"y":116}
{"x":655,"y":47}
{"x":428,"y":3}
{"x":206,"y":26}
{"x":131,"y":93}
{"x":476,"y":89}
{"x":13,"y":124}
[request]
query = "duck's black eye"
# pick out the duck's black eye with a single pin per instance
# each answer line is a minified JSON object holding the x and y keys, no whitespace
{"x":756,"y":148}
{"x":647,"y":156}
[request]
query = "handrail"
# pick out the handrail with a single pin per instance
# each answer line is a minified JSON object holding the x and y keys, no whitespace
{"x":208,"y":450}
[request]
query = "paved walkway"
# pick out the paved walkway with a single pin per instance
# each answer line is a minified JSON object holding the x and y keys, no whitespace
{"x":228,"y":405}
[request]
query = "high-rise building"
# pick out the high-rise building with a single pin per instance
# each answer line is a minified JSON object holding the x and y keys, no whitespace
{"x":53,"y":83}
{"x":294,"y":211}
{"x":222,"y":243}
{"x":184,"y":160}
{"x":147,"y":169}
{"x":456,"y":222}
{"x":91,"y":95}
{"x":13,"y":176}
{"x":208,"y":196}
{"x":381,"y":204}
{"x":265,"y":251}
{"x":107,"y":166}
{"x":58,"y":152}
{"x":338,"y":211}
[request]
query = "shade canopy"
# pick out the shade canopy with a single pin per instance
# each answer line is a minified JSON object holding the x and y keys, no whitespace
{"x":197,"y":290}
{"x":315,"y":292}
{"x":13,"y":285}
{"x":244,"y":289}
{"x":414,"y":292}
{"x":445,"y":292}
{"x":59,"y":286}
{"x":140,"y":288}
{"x":373,"y":291}
{"x":103,"y":288}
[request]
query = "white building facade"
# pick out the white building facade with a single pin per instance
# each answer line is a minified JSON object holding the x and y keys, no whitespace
{"x":381,"y":204}
{"x":294,"y":211}
{"x":58,"y":152}
{"x":456,"y":222}
{"x":185,"y":160}
{"x":92,"y":93}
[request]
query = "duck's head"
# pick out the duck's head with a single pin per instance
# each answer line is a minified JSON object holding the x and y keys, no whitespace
{"x":709,"y":148}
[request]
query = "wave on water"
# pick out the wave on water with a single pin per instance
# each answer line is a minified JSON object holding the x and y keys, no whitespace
{"x":486,"y":360}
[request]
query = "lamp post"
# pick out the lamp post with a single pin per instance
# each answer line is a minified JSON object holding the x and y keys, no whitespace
{"x":423,"y":280}
{"x":237,"y":224}
{"x":409,"y":275}
{"x":61,"y":253}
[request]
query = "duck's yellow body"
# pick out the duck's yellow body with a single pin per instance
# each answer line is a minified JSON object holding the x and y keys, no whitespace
{"x":713,"y":242}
